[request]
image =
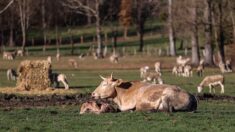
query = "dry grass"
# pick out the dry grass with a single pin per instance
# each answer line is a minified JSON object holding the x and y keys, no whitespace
{"x":48,"y":91}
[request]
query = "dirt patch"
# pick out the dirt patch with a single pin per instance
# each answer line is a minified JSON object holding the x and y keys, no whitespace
{"x":9,"y":101}
{"x":216,"y":97}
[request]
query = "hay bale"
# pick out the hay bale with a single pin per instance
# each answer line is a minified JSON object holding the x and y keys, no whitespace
{"x":34,"y":75}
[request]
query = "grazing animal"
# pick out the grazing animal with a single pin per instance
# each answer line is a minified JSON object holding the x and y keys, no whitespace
{"x":96,"y":108}
{"x":157,"y":66}
{"x":58,"y":56}
{"x":140,"y":96}
{"x":9,"y":55}
{"x":20,"y":53}
{"x":175,"y":70}
{"x":114,"y":58}
{"x":143,"y":70}
{"x":49,"y":59}
{"x":73,"y":63}
{"x":228,"y":65}
{"x":212,"y":81}
{"x":188,"y":71}
{"x":152,"y":77}
{"x":200,"y":68}
{"x":11,"y":75}
{"x":182,"y":61}
{"x":57,"y":78}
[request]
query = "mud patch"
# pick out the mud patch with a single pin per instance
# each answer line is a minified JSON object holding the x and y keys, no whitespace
{"x":207,"y":96}
{"x":11,"y":101}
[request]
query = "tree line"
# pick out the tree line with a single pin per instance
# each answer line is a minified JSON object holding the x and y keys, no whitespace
{"x":203,"y":23}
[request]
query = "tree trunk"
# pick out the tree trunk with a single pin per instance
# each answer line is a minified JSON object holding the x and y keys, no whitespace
{"x":208,"y":34}
{"x":140,"y":23}
{"x":11,"y":36}
{"x":98,"y":31}
{"x":43,"y":23}
{"x":89,"y":18}
{"x":171,"y":30}
{"x":22,"y":14}
{"x":232,"y":19}
{"x":194,"y":37}
{"x":125,"y":32}
{"x":221,"y":33}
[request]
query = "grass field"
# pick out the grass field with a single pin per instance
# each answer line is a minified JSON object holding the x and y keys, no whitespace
{"x":210,"y":116}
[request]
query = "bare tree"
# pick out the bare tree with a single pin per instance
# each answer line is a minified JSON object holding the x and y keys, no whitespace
{"x":171,"y":31}
{"x":7,"y":6}
{"x":81,"y":7}
{"x":208,"y":33}
{"x":125,"y":17}
{"x":194,"y":34}
{"x":24,"y":14}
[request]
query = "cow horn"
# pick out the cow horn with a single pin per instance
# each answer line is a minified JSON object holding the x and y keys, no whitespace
{"x":102,"y":77}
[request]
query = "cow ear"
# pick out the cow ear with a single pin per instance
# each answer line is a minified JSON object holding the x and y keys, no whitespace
{"x":118,"y":82}
{"x":103,"y":78}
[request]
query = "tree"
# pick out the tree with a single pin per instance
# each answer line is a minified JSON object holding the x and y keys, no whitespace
{"x":125,"y":17}
{"x":24,"y":14}
{"x":208,"y":33}
{"x":7,"y":6}
{"x":143,"y":9}
{"x":171,"y":31}
{"x":81,"y":7}
{"x":194,"y":34}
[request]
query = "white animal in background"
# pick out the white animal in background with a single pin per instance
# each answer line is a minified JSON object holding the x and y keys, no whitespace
{"x":157,"y":66}
{"x":49,"y":59}
{"x":143,"y":70}
{"x":11,"y":75}
{"x":151,"y":76}
{"x":200,"y":68}
{"x":114,"y":58}
{"x":188,"y":71}
{"x":175,"y":70}
{"x":57,"y":78}
{"x":212,"y":81}
{"x":182,"y":61}
{"x":58,"y":56}
{"x":20,"y":53}
{"x":73,"y":63}
{"x":9,"y":55}
{"x":228,"y":65}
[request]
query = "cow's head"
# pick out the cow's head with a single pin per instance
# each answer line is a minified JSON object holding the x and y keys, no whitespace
{"x":106,"y":89}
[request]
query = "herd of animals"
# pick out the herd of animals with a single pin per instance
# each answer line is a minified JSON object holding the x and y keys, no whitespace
{"x":149,"y":94}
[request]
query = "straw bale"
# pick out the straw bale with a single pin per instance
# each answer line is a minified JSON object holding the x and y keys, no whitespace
{"x":34,"y":75}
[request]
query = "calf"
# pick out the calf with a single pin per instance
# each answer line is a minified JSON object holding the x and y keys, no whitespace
{"x":96,"y":108}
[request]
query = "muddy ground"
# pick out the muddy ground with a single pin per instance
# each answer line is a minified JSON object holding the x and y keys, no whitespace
{"x":9,"y":101}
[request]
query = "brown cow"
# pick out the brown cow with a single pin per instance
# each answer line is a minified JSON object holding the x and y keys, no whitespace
{"x":145,"y":96}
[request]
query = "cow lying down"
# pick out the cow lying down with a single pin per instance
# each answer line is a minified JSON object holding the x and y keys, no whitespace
{"x":141,"y":96}
{"x":96,"y":107}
